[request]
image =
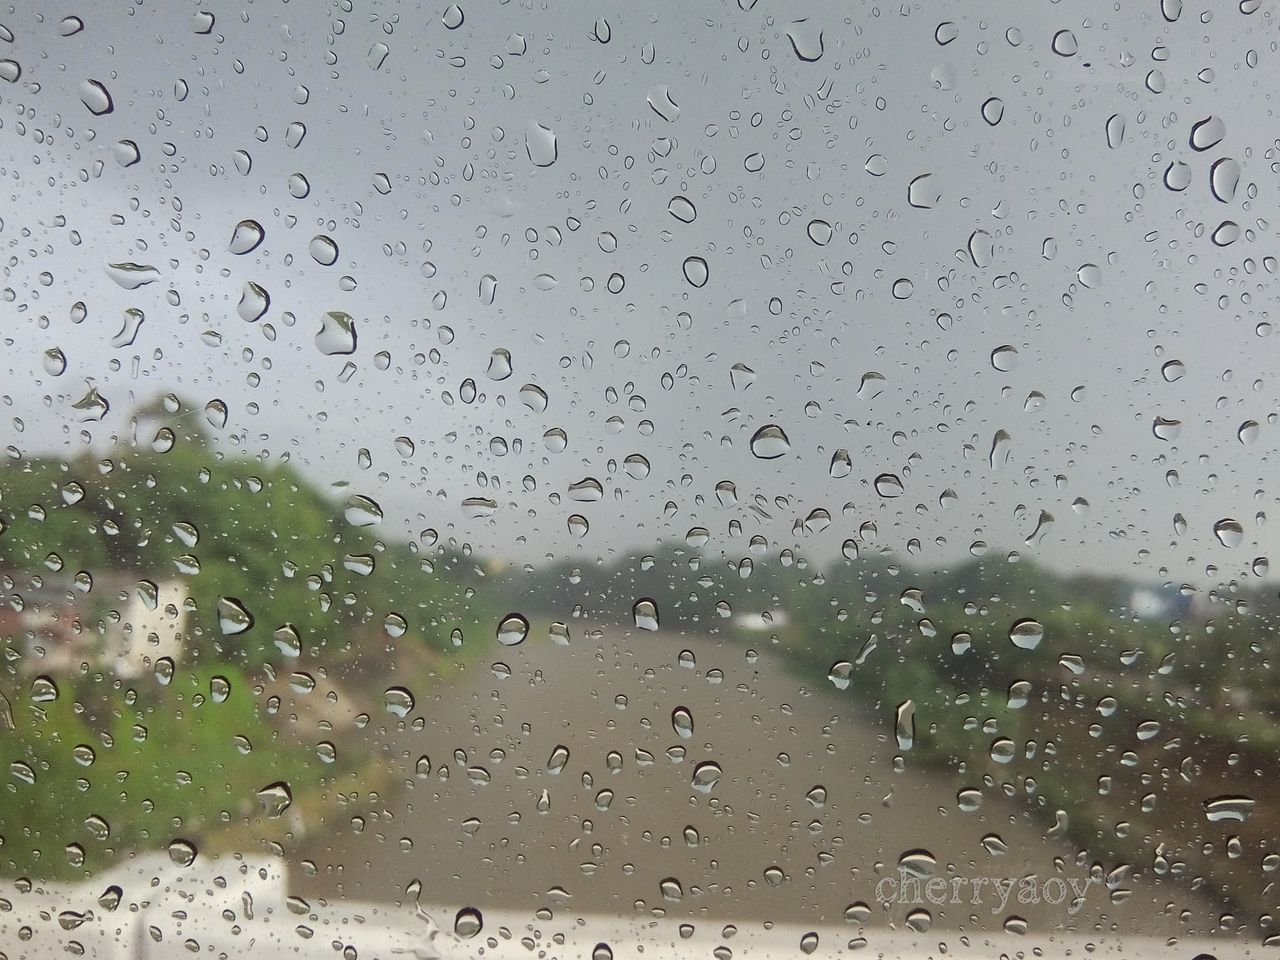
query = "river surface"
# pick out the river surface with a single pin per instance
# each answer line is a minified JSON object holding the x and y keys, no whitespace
{"x":493,"y":826}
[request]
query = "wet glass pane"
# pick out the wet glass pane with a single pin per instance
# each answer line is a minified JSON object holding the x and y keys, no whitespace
{"x":589,"y":480}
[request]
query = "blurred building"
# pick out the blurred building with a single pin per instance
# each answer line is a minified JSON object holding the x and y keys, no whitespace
{"x":122,"y":626}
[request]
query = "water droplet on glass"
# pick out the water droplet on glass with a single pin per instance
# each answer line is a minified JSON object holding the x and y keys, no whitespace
{"x":499,"y":364}
{"x":540,"y":144}
{"x":919,"y":920}
{"x":55,"y":362}
{"x":841,"y":464}
{"x":323,"y":250}
{"x":131,"y":276}
{"x":233,"y":617}
{"x":96,"y":97}
{"x":922,"y":194}
{"x":888,"y":485}
{"x":645,"y":614}
{"x":904,"y":725}
{"x":1207,"y":133}
{"x":770,"y":442}
{"x":1004,"y":358}
{"x":1230,"y":533}
{"x":682,"y":209}
{"x":246,"y":237}
{"x":696,"y":271}
{"x":682,"y":722}
{"x":806,"y":40}
{"x":659,"y":99}
{"x":1228,"y":809}
{"x":1026,"y":633}
{"x":841,"y":674}
{"x":182,"y":852}
{"x":337,"y":334}
{"x":513,"y":629}
{"x":468,"y":923}
{"x":362,"y":511}
{"x":398,"y":701}
{"x":1166,"y":429}
{"x":1224,"y":175}
{"x":275,"y":799}
{"x":1064,"y":44}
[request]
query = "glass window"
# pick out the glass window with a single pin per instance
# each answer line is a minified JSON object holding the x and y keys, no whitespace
{"x":584,"y":480}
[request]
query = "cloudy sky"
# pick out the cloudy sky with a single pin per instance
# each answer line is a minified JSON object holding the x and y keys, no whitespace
{"x":980,"y":254}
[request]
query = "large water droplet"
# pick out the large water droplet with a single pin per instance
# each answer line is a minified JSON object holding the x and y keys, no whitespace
{"x":246,"y":237}
{"x":233,"y":617}
{"x":770,"y":442}
{"x":96,"y":97}
{"x":806,"y":40}
{"x":540,"y":144}
{"x":1230,"y":533}
{"x":275,"y":799}
{"x":337,"y":334}
{"x":645,"y":614}
{"x":398,"y":701}
{"x":706,"y":775}
{"x":513,"y":629}
{"x":468,"y":922}
{"x":1026,"y":633}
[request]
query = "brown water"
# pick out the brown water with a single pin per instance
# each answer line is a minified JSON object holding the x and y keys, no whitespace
{"x":775,"y":735}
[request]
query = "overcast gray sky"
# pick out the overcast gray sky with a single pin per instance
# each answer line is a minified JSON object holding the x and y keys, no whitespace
{"x":541,"y":148}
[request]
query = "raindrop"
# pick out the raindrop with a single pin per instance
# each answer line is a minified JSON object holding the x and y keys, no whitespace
{"x":921,"y":194}
{"x":1230,"y":533}
{"x":512,"y":630}
{"x":1177,"y":176}
{"x":96,"y":97}
{"x":841,"y":674}
{"x":275,"y":799}
{"x":246,"y":237}
{"x":323,"y":250}
{"x":806,"y":40}
{"x":682,"y":722}
{"x":1115,"y":131}
{"x":1064,"y":44}
{"x":468,"y":923}
{"x":820,"y":232}
{"x":904,"y":724}
{"x":682,"y":209}
{"x":1228,"y":809}
{"x":770,"y":442}
{"x":841,"y":464}
{"x":1004,"y":358}
{"x":659,"y":99}
{"x":182,"y":852}
{"x":398,"y":701}
{"x":706,"y":775}
{"x":233,"y":617}
{"x":1224,"y":175}
{"x":540,"y":144}
{"x":645,"y":614}
{"x":696,"y":271}
{"x":1026,"y":633}
{"x":533,"y":397}
{"x":55,"y":362}
{"x":888,"y":485}
{"x":1207,"y":133}
{"x":337,"y":334}
{"x":1165,"y":429}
